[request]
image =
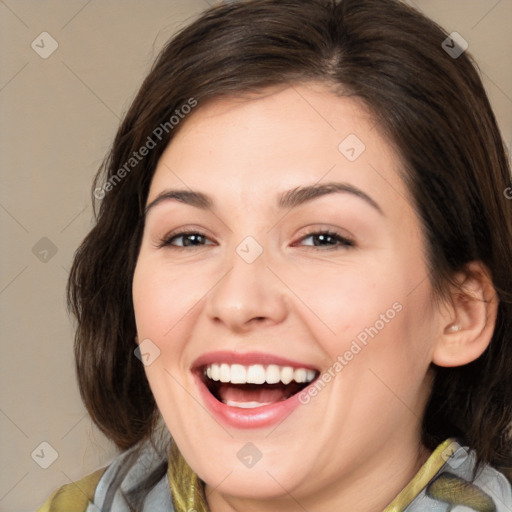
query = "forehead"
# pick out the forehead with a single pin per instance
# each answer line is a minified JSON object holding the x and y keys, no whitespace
{"x":254,"y":147}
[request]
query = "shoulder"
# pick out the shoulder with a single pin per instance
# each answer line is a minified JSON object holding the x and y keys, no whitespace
{"x":134,"y":468}
{"x":73,"y":497}
{"x":104,"y":488}
{"x":454,"y":484}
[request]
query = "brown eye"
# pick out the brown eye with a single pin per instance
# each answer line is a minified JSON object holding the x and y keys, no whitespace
{"x":328,"y":240}
{"x":185,"y":239}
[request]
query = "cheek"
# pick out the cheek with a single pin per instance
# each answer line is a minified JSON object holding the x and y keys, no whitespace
{"x":393,"y":353}
{"x":341,"y":302}
{"x":166,"y":302}
{"x":379,"y":317}
{"x":162,"y":296}
{"x":163,"y":300}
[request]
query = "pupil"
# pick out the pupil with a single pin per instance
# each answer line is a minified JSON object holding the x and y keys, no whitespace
{"x":324,"y":238}
{"x":195,"y":239}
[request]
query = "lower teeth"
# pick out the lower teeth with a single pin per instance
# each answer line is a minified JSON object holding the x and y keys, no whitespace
{"x":245,"y":405}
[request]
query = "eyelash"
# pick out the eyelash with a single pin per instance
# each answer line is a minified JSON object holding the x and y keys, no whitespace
{"x":343,"y":242}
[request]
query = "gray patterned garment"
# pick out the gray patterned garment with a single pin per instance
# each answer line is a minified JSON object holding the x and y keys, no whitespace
{"x":442,"y":485}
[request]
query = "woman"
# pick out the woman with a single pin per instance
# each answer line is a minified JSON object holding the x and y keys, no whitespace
{"x":300,"y":271}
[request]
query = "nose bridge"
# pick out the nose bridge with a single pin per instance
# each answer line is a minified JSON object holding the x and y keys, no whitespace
{"x":248,"y":290}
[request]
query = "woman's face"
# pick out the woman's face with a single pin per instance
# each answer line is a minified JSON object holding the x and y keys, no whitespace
{"x":305,"y":261}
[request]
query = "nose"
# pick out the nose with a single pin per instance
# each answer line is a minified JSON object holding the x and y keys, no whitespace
{"x":248,"y":294}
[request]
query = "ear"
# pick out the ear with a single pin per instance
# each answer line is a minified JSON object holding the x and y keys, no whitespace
{"x":468,"y":324}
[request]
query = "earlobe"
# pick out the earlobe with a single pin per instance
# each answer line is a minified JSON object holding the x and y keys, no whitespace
{"x":468,"y":326}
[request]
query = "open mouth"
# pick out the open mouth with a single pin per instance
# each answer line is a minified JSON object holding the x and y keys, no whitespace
{"x":251,"y":386}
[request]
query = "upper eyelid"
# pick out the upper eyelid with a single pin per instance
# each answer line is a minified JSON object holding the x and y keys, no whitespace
{"x":310,"y":229}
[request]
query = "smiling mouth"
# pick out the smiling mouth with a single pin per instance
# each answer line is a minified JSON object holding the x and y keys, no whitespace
{"x":251,"y":386}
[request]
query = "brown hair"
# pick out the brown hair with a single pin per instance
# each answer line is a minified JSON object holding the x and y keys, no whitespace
{"x":430,"y":106}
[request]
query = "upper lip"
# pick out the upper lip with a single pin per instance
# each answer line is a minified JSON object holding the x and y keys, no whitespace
{"x":247,"y":358}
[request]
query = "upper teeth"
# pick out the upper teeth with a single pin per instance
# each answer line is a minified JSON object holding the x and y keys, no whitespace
{"x":258,"y":374}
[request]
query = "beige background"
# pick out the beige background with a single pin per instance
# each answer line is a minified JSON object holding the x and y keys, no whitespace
{"x":58,"y":117}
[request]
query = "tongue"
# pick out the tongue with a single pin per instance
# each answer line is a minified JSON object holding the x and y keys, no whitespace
{"x":262,"y":393}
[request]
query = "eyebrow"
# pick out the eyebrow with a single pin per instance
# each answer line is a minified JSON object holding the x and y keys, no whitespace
{"x":288,"y":200}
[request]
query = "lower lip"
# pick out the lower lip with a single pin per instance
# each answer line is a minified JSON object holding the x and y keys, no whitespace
{"x":257,"y":417}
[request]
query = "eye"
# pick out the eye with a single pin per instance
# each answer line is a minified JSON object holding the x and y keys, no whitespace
{"x":321,"y":239}
{"x":184,"y":239}
{"x":327,"y":240}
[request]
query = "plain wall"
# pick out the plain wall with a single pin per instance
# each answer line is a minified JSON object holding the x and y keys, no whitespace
{"x":58,"y":118}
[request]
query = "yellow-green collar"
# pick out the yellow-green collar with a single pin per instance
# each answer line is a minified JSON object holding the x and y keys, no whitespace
{"x":434,"y":463}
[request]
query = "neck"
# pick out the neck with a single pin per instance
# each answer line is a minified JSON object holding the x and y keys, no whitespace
{"x":363,"y":490}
